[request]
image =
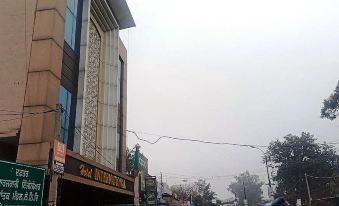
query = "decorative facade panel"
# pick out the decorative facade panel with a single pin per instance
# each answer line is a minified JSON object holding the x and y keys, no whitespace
{"x":91,"y":93}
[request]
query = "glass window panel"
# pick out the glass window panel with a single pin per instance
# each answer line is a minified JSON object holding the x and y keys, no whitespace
{"x":65,"y":100}
{"x":74,"y":26}
{"x":65,"y":139}
{"x":63,"y":120}
{"x":72,"y":19}
{"x":62,"y":96}
{"x":117,"y":164}
{"x":66,"y":121}
{"x":71,"y":5}
{"x":119,"y":79}
{"x":69,"y":100}
{"x":62,"y":134}
{"x":69,"y":27}
{"x":75,"y":11}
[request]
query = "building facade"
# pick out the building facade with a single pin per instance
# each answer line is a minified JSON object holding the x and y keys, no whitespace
{"x":63,"y":73}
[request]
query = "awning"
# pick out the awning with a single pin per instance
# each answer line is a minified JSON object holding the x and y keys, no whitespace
{"x":122,"y":13}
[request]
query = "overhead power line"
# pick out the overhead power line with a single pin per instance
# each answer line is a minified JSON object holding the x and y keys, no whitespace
{"x":193,"y":177}
{"x":191,"y":140}
{"x":135,"y":133}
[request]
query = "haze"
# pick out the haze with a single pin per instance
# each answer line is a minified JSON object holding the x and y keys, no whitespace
{"x":238,"y":71}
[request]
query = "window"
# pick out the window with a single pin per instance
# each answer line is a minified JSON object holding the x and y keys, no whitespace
{"x":120,"y":97}
{"x":73,"y":23}
{"x":65,"y":99}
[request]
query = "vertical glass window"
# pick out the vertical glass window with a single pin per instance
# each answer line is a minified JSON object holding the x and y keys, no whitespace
{"x":120,"y":92}
{"x":72,"y":23}
{"x":65,"y":99}
{"x":120,"y":67}
{"x":117,"y":164}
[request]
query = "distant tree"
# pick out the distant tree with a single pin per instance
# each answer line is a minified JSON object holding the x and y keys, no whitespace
{"x":199,"y":191}
{"x":204,"y":194}
{"x":296,"y":155}
{"x":182,"y":191}
{"x":330,"y":109}
{"x":252,"y":188}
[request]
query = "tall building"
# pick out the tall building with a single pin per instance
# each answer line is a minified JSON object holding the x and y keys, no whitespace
{"x":63,"y":77}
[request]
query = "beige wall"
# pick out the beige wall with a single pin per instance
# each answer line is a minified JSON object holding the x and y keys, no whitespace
{"x":16,"y":20}
{"x":31,"y":39}
{"x":43,"y":82}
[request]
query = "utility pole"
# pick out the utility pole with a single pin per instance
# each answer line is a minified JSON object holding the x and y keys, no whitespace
{"x":308,"y":190}
{"x":245,"y":198}
{"x":268,"y":174}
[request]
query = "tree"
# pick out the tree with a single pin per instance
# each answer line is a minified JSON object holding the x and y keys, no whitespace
{"x":252,"y":186}
{"x":296,"y":155}
{"x":330,"y":109}
{"x":182,"y":191}
{"x":204,"y":193}
{"x":199,"y":191}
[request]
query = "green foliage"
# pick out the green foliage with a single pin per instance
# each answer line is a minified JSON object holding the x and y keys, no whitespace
{"x":331,"y":106}
{"x":252,"y":188}
{"x":296,"y":155}
{"x":204,"y":193}
{"x":200,"y":191}
{"x":182,"y":191}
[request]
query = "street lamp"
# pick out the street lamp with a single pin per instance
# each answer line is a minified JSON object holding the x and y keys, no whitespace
{"x":268,"y":174}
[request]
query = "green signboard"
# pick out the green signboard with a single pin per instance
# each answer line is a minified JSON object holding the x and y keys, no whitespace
{"x":20,"y":185}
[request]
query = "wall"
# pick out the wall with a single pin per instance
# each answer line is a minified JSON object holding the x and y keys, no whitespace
{"x":43,"y":82}
{"x":16,"y":20}
{"x":123,"y":152}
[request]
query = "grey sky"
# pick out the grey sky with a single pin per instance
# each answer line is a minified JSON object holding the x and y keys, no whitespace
{"x":240,"y":71}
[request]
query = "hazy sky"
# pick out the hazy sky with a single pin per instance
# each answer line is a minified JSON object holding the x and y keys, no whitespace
{"x":239,"y":71}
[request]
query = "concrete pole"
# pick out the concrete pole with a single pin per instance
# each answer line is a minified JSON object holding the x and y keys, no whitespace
{"x":245,"y":198}
{"x":308,"y":190}
{"x":53,"y":191}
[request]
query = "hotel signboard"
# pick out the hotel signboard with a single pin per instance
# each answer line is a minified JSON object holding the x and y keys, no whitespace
{"x":82,"y":169}
{"x":21,"y":184}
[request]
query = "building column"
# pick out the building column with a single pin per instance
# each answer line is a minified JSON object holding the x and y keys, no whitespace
{"x":38,"y":131}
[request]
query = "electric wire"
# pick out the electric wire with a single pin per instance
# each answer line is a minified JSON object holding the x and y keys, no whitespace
{"x":20,"y":113}
{"x":29,"y":115}
{"x":190,"y":140}
{"x":216,"y":177}
{"x":135,"y":133}
{"x":316,"y":177}
{"x":6,"y":110}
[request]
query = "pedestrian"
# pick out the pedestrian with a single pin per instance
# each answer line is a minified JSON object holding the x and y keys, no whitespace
{"x":279,"y":201}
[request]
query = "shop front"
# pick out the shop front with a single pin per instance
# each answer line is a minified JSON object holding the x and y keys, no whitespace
{"x":86,"y":182}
